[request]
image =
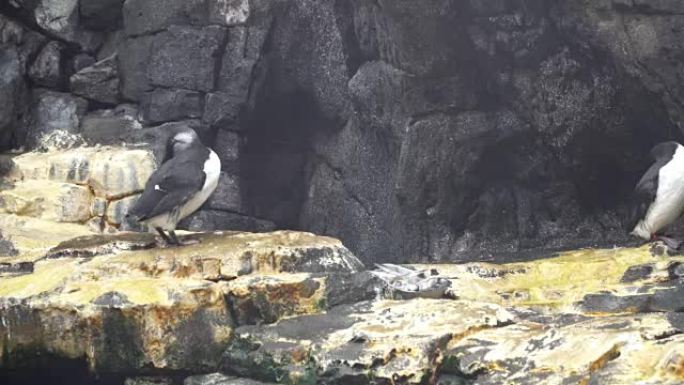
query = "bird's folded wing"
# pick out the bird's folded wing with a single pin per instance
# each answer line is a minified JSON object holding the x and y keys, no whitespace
{"x":644,"y":195}
{"x":171,"y":186}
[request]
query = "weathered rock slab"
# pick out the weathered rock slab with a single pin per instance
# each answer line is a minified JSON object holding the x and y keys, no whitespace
{"x":125,"y":304}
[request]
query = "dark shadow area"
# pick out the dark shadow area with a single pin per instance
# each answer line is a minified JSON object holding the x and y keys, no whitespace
{"x":274,"y":156}
{"x":55,"y":371}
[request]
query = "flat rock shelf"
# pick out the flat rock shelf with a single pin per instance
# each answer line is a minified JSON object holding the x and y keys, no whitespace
{"x":293,"y":307}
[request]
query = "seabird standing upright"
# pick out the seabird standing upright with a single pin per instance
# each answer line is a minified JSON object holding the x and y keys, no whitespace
{"x":186,"y":178}
{"x":659,"y":195}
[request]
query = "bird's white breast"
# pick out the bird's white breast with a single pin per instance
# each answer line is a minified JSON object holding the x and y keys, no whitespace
{"x":669,"y":202}
{"x":212,"y":170}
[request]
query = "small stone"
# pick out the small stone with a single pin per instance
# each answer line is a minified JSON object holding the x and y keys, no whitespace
{"x":46,"y":69}
{"x":99,"y":207}
{"x":163,"y":105}
{"x":99,"y":82}
{"x":636,"y":273}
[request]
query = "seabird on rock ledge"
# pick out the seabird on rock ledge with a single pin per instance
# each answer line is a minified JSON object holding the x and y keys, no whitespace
{"x":187,"y":177}
{"x":659,"y":195}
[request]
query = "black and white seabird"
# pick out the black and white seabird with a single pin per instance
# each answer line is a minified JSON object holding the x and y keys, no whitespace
{"x":659,"y":195}
{"x":186,"y":178}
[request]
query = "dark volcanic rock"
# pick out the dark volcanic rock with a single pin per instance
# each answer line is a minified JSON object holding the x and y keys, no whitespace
{"x":99,"y":82}
{"x":101,"y":15}
{"x":227,"y":196}
{"x":54,"y":111}
{"x":110,"y":126}
{"x":185,"y":57}
{"x":133,"y":57}
{"x":46,"y":69}
{"x":208,"y":220}
{"x":162,"y":105}
{"x":12,"y":94}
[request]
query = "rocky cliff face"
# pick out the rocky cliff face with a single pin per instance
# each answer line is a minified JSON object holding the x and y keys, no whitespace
{"x":412,"y":130}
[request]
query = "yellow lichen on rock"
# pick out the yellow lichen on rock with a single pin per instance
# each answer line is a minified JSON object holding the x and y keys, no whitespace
{"x":559,"y":281}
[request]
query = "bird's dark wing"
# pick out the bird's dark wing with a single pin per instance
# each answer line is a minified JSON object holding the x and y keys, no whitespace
{"x":644,"y":195}
{"x":176,"y":181}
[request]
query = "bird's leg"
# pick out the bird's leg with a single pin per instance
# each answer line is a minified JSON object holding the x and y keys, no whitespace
{"x":184,"y":243}
{"x":166,"y":238}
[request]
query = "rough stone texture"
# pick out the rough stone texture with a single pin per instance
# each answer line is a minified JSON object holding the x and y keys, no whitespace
{"x":184,"y":57}
{"x":101,"y":14}
{"x":110,"y":127}
{"x":98,"y":82}
{"x":61,"y":19}
{"x":227,"y":196}
{"x":46,"y":70}
{"x":13,"y":96}
{"x":227,"y":146}
{"x":158,"y":308}
{"x":54,"y":111}
{"x":163,"y":105}
{"x":207,"y":219}
{"x":52,"y":201}
{"x":117,"y":209}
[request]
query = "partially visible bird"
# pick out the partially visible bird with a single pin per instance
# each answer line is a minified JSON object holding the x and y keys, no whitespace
{"x":659,"y":195}
{"x":188,"y":175}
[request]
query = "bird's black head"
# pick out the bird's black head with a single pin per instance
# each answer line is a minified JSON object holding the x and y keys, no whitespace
{"x":181,"y":141}
{"x":664,"y":150}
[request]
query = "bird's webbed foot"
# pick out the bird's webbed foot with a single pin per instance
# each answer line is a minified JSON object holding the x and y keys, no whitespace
{"x":185,"y":242}
{"x":671,"y":243}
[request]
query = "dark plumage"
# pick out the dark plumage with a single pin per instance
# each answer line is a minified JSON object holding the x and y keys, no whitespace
{"x":187,"y":177}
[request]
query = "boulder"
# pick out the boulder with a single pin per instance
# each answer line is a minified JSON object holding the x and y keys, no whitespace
{"x":46,"y":70}
{"x":101,"y":15}
{"x":227,"y":196}
{"x":98,"y":82}
{"x":162,"y":105}
{"x":110,"y":127}
{"x":52,"y":201}
{"x":145,"y":17}
{"x":111,"y":173}
{"x":185,"y":57}
{"x":53,"y":111}
{"x":61,"y":19}
{"x":134,"y":58}
{"x":220,"y":379}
